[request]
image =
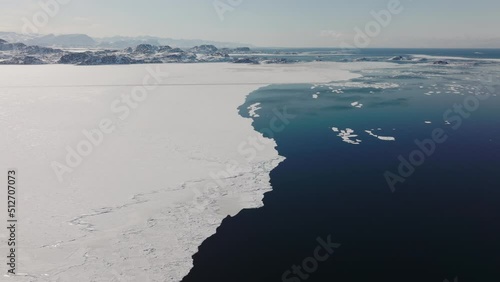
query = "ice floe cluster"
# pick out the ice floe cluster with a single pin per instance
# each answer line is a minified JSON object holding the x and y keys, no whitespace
{"x":453,"y":88}
{"x":348,"y":135}
{"x":383,"y":138}
{"x":252,"y":110}
{"x":357,"y":105}
{"x":341,"y":87}
{"x":360,"y":84}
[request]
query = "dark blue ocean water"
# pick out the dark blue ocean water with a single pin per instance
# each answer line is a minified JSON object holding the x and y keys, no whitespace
{"x":442,"y":222}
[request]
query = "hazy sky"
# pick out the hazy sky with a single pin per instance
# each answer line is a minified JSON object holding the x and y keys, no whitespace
{"x":293,"y":23}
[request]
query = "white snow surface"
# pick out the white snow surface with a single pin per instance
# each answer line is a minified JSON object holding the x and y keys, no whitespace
{"x":141,"y":203}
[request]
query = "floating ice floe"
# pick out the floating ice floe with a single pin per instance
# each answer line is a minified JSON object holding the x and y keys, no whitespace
{"x":455,"y":88}
{"x":316,"y":95}
{"x":428,"y":122}
{"x":346,"y":136}
{"x":253,"y":109}
{"x":357,"y":105}
{"x":383,"y":138}
{"x":354,"y":84}
{"x":386,"y":138}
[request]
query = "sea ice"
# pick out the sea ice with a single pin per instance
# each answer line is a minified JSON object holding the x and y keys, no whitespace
{"x":144,"y":200}
{"x":383,"y":138}
{"x":252,"y":109}
{"x":357,"y":105}
{"x":347,"y":136}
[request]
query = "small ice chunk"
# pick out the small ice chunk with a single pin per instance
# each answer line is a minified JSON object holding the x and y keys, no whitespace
{"x":370,"y":133}
{"x":252,"y":110}
{"x":357,"y":105}
{"x":383,"y":138}
{"x":386,"y":138}
{"x":428,"y":122}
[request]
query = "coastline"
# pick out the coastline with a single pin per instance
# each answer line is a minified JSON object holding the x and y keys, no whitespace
{"x":138,"y":207}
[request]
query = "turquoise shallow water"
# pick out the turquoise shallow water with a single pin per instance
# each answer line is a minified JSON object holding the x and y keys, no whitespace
{"x":439,"y":218}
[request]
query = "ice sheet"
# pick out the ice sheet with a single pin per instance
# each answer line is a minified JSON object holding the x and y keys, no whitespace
{"x":141,"y":203}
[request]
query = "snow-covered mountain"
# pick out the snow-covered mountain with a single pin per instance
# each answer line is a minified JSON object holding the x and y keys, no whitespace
{"x":116,"y":42}
{"x":123,"y":41}
{"x":20,"y":53}
{"x":17,"y":37}
{"x":64,"y":41}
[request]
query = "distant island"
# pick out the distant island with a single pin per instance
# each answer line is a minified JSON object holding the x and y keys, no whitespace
{"x":113,"y":42}
{"x":18,"y":53}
